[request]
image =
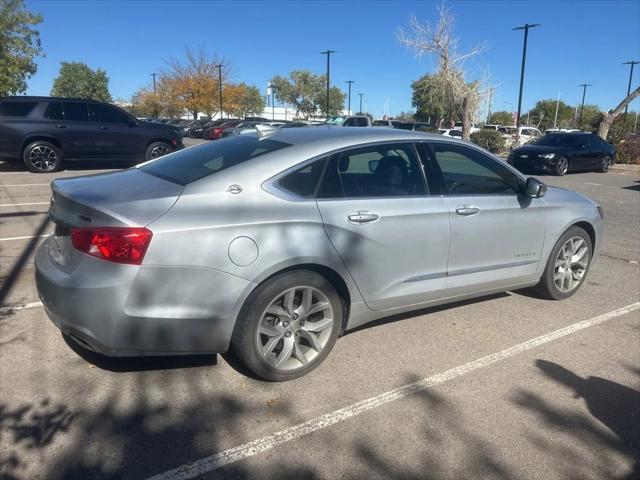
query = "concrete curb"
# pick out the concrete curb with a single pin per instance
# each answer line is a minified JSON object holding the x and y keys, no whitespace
{"x":623,"y":167}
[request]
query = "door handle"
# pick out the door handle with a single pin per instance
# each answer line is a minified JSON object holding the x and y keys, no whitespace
{"x":467,"y":210}
{"x":61,"y":125}
{"x":102,"y":127}
{"x":363,"y":217}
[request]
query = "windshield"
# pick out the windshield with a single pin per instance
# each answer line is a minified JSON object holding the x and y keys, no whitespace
{"x":557,"y":140}
{"x":194,"y":163}
{"x":335,"y":121}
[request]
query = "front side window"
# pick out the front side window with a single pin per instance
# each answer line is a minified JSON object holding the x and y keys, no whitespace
{"x":192,"y":164}
{"x":386,"y":170}
{"x":16,"y":109}
{"x":107,"y":114}
{"x":466,"y":171}
{"x":76,"y":112}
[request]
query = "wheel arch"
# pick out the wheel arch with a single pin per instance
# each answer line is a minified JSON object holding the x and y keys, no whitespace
{"x":39,"y":138}
{"x":160,"y":139}
{"x":587,"y":227}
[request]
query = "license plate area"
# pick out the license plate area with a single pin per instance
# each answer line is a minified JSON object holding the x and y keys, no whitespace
{"x":59,"y":245}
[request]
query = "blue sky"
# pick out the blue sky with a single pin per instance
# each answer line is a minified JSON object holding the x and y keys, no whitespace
{"x":264,"y":38}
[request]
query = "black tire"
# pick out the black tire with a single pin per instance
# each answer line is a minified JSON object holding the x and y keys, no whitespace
{"x":561,"y":167}
{"x":547,"y":287}
{"x":157,"y":150}
{"x":245,"y":340}
{"x":606,"y":164}
{"x":42,"y":157}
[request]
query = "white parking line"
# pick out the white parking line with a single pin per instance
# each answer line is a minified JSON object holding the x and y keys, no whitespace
{"x":18,"y":306}
{"x":27,"y":185}
{"x":218,"y":460}
{"x":589,"y":183}
{"x":26,"y":237}
{"x":22,"y":204}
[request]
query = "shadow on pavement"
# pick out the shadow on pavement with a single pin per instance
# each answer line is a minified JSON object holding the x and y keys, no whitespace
{"x":69,"y":166}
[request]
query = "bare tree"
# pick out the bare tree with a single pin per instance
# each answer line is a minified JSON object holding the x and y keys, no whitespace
{"x":608,"y":117}
{"x":441,"y":43}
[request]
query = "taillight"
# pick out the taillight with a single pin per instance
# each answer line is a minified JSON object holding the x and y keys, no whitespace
{"x":116,"y":244}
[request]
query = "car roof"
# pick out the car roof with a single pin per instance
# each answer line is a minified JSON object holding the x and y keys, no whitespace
{"x":32,"y":98}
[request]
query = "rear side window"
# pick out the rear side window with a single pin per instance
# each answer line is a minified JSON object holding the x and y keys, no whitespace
{"x":303,"y":181}
{"x":54,"y":111}
{"x":192,"y":164}
{"x":106,"y":114}
{"x":76,"y":112}
{"x":16,"y":109}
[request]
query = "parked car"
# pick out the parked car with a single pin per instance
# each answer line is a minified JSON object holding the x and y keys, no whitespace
{"x":413,"y":126}
{"x":295,"y":124}
{"x":45,"y":132}
{"x":238,"y":128}
{"x":472,"y":129}
{"x":215,"y":132}
{"x":450,"y":132}
{"x":272,"y":244}
{"x":198,"y":130}
{"x":386,"y":123}
{"x":349,"y":121}
{"x":527,"y":134}
{"x":490,"y":126}
{"x":559,"y":153}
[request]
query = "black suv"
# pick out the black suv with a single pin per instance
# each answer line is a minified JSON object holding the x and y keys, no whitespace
{"x":559,"y":153}
{"x":44,"y":131}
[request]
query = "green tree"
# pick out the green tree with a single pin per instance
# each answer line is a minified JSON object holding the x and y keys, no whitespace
{"x":19,"y":45}
{"x":591,"y":116}
{"x":501,"y":118}
{"x":543,"y":114}
{"x":307,"y":93}
{"x":77,"y":80}
{"x":433,"y":100}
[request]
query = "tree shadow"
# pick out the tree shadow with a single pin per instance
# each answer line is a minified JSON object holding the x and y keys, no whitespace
{"x":615,"y":406}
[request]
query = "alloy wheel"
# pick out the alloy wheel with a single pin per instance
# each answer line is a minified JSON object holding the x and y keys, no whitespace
{"x":606,"y":164}
{"x":159,"y":151}
{"x":43,"y":158}
{"x":571,"y":264}
{"x":295,"y":328}
{"x":562,"y":166}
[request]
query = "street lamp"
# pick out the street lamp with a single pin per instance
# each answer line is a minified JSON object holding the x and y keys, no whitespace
{"x":273,"y":102}
{"x":349,"y":101}
{"x":219,"y":66}
{"x":632,"y":63}
{"x":584,"y":92}
{"x":155,"y":110}
{"x":360,"y":94}
{"x":526,"y":28}
{"x":328,"y":54}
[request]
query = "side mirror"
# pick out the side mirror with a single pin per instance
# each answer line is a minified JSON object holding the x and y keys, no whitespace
{"x":534,"y":188}
{"x":373,"y":165}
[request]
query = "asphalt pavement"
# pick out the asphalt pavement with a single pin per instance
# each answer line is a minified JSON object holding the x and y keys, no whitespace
{"x":504,"y":387}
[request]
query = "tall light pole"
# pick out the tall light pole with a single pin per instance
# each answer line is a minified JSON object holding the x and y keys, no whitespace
{"x":155,"y":110}
{"x":584,"y":92}
{"x":555,"y":119}
{"x":328,"y":54}
{"x":489,"y":109}
{"x":526,"y":28}
{"x":273,"y":102}
{"x":349,"y":101}
{"x":624,"y":119}
{"x":154,"y":75}
{"x":220,"y":85}
{"x":360,"y":94}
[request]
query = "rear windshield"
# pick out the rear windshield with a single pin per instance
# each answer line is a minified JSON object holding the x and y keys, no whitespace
{"x":16,"y":109}
{"x":195,"y":163}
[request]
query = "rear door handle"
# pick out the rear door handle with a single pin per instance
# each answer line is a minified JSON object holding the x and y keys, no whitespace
{"x":363,"y":217}
{"x":102,"y":127}
{"x":467,"y":210}
{"x":61,"y":125}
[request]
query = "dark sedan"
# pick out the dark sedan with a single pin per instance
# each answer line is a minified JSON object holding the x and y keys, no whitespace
{"x":559,"y":153}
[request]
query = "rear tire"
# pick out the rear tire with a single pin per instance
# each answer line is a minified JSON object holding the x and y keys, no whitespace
{"x":561,"y":167}
{"x":606,"y":164}
{"x":276,"y":337}
{"x":567,"y":266}
{"x":42,"y":157}
{"x":157,"y":150}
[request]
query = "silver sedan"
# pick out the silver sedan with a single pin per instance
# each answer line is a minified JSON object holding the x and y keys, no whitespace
{"x":274,"y":243}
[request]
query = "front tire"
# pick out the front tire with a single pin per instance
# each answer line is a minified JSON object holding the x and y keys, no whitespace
{"x":42,"y":157}
{"x":288,"y":326}
{"x":567,"y":265}
{"x":561,"y":167}
{"x":606,"y":164}
{"x":157,"y":150}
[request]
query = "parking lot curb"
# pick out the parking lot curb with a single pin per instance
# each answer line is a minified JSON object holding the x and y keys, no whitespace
{"x":623,"y":167}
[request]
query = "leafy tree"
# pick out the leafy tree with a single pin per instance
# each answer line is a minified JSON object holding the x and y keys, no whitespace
{"x":19,"y":45}
{"x":433,"y":100}
{"x":489,"y":139}
{"x":501,"y":118}
{"x":543,"y":114}
{"x":77,"y":80}
{"x":405,"y":116}
{"x":241,"y":99}
{"x":307,"y":93}
{"x":590,"y":117}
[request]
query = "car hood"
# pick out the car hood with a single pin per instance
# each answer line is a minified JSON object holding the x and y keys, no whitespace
{"x":128,"y":197}
{"x":563,"y":196}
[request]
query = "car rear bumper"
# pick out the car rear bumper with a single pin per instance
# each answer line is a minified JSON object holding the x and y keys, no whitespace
{"x":125,"y":310}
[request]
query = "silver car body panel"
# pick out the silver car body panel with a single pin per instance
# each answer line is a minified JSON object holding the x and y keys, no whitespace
{"x":216,"y":239}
